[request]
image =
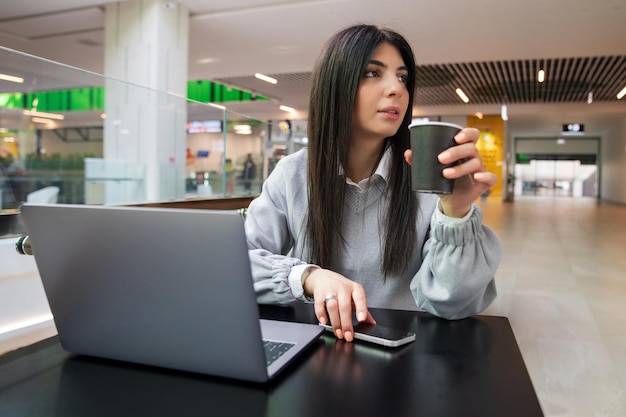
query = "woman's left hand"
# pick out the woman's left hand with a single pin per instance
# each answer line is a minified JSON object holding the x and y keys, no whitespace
{"x":471,"y":177}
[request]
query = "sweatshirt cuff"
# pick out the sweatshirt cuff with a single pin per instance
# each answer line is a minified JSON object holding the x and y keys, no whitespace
{"x":451,"y":221}
{"x":295,"y":280}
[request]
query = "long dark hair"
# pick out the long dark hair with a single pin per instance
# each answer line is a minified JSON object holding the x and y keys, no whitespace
{"x":334,"y":84}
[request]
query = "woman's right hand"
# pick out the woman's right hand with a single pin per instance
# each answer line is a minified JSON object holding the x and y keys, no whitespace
{"x":336,"y":297}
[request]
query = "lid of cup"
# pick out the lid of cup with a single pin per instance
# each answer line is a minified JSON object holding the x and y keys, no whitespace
{"x":432,"y":123}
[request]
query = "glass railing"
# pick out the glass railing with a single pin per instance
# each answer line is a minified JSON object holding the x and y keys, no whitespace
{"x":72,"y":136}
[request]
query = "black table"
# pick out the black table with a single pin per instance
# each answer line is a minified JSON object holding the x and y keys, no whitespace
{"x":470,"y":367}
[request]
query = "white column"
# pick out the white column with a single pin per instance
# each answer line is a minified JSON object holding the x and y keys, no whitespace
{"x":145,"y":137}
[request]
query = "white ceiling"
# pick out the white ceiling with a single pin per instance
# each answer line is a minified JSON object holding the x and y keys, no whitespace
{"x":242,"y":37}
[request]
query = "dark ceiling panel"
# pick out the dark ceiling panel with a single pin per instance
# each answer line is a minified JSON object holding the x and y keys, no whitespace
{"x":568,"y":80}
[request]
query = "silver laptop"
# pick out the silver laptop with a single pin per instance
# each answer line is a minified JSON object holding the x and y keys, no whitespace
{"x":163,"y":287}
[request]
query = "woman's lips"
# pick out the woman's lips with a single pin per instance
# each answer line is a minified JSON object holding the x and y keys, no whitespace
{"x":390,"y":112}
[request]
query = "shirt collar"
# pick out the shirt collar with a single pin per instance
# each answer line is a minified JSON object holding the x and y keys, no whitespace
{"x":384,"y":165}
{"x":382,"y":170}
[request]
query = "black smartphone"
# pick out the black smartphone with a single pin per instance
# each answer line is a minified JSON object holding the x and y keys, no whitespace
{"x":380,"y":335}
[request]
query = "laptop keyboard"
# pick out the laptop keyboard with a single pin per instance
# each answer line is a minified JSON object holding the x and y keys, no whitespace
{"x":274,"y":350}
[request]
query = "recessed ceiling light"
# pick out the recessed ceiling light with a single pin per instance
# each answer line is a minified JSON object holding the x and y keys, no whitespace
{"x":207,"y":60}
{"x":43,"y":114}
{"x":541,"y":76}
{"x":12,"y":78}
{"x":287,"y":109}
{"x":266,"y":78}
{"x":461,"y":94}
{"x":41,"y":120}
{"x":621,"y":94}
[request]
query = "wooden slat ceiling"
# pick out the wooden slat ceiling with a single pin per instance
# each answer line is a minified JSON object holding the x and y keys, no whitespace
{"x":568,"y":80}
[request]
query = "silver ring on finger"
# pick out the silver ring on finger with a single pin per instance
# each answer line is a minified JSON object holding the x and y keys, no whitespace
{"x":330,"y":297}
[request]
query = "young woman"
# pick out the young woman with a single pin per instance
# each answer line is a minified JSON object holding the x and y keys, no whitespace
{"x":338,"y":224}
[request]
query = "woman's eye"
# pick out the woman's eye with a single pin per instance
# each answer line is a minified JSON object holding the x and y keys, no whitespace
{"x":370,"y":73}
{"x":403,"y":78}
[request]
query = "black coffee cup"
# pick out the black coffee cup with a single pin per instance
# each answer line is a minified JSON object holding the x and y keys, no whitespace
{"x":429,"y":139}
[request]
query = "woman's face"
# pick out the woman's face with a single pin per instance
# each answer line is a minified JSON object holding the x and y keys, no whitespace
{"x":382,"y":97}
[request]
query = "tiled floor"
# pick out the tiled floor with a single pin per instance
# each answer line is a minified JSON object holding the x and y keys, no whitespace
{"x":562,"y":284}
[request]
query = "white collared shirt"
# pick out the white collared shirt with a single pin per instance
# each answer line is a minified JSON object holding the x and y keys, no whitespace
{"x":382,"y":170}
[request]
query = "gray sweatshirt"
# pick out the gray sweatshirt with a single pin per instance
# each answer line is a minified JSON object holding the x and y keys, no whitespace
{"x":451,"y":272}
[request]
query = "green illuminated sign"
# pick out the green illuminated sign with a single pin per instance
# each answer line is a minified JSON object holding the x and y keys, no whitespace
{"x":81,"y":99}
